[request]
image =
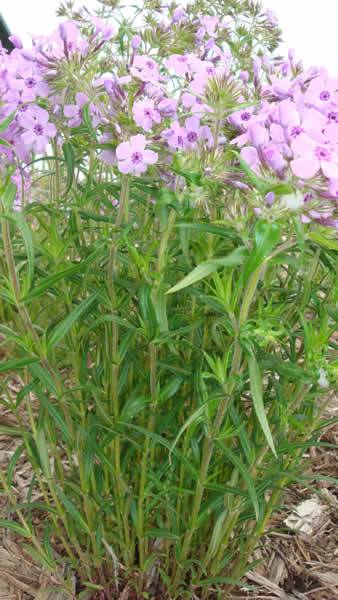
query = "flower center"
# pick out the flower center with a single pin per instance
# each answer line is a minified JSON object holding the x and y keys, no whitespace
{"x":322,"y":153}
{"x":180,"y":140}
{"x":192,"y":136}
{"x":150,"y":64}
{"x":147,"y":113}
{"x":30,"y":82}
{"x":38,"y":129}
{"x":333,"y":116}
{"x":136,"y":158}
{"x":245,"y":116}
{"x":296,"y":131}
{"x":325,"y":95}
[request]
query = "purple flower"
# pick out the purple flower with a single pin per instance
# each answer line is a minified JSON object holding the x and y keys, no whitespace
{"x":195,"y":133}
{"x":241,"y":118}
{"x":145,"y":114}
{"x":313,"y":157}
{"x":168,"y":106}
{"x":273,"y":157}
{"x":271,"y":17}
{"x":258,"y":135}
{"x":175,"y":136}
{"x":179,"y":63}
{"x":250,"y":155}
{"x":38,"y":130}
{"x":16,"y":41}
{"x":179,"y":15}
{"x":209,"y":24}
{"x":133,"y":157}
{"x":136,"y":42}
{"x":145,"y":68}
{"x":74,"y":111}
{"x":72,"y":40}
{"x":29,"y":83}
{"x":101,"y":28}
{"x":333,"y":188}
{"x":322,"y":93}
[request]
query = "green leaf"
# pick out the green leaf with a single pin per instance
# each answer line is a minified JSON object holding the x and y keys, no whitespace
{"x":87,"y":120}
{"x":4,"y":143}
{"x":14,"y":365}
{"x":72,"y":510}
{"x":256,"y":386}
{"x":40,"y":558}
{"x":50,"y":281}
{"x":13,"y":526}
{"x":12,"y":463}
{"x":14,"y":431}
{"x":26,"y":233}
{"x":225,"y":232}
{"x":9,"y":194}
{"x":324,"y":240}
{"x":262,"y":185}
{"x":246,"y":476}
{"x":163,"y":534}
{"x":69,"y":154}
{"x":6,"y":122}
{"x":235,"y":258}
{"x":54,"y":413}
{"x":267,"y":236}
{"x":61,"y":330}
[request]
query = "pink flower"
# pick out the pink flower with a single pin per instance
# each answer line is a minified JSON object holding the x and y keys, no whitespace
{"x":322,"y":93}
{"x":241,"y":118}
{"x":313,"y":157}
{"x":168,"y":106}
{"x":101,"y":28}
{"x":179,"y":63}
{"x":74,"y":111}
{"x":38,"y":129}
{"x":145,"y":114}
{"x":133,"y":157}
{"x":209,"y":24}
{"x":145,"y":68}
{"x":250,"y":155}
{"x":136,"y":41}
{"x":175,"y":136}
{"x":195,"y":133}
{"x":258,"y":134}
{"x":30,"y":84}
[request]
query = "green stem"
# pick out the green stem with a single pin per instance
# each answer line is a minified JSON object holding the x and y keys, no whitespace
{"x":209,"y":441}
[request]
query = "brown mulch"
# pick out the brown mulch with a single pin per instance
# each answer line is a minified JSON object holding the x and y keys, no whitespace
{"x":292,"y":565}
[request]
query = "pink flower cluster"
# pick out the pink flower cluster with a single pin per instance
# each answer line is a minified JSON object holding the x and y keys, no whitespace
{"x":294,"y":133}
{"x":145,"y":109}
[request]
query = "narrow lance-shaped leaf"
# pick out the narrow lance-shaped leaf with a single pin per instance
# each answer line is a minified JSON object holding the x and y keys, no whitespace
{"x":61,"y":330}
{"x":267,"y":236}
{"x":87,"y":120}
{"x":6,"y":122}
{"x":246,"y":476}
{"x":256,"y":387}
{"x":69,"y":154}
{"x":207,"y":267}
{"x":26,"y":233}
{"x":13,"y":365}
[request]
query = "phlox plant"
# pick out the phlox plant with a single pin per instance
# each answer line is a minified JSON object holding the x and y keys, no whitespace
{"x":168,"y":187}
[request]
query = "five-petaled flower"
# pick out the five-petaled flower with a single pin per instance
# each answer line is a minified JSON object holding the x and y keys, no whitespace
{"x":133,"y":157}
